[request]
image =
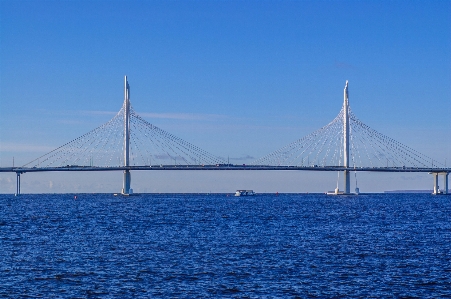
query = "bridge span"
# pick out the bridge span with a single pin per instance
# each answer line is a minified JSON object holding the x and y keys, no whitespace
{"x":434,"y":171}
{"x":129,"y":143}
{"x":225,"y":167}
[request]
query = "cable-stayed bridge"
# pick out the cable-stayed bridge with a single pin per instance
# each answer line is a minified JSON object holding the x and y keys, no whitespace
{"x":128,"y":142}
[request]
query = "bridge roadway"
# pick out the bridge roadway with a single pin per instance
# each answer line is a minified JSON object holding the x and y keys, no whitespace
{"x":225,"y":167}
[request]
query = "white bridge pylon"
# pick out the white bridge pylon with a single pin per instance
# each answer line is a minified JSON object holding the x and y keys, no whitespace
{"x":126,"y":190}
{"x":346,"y":141}
{"x":125,"y":140}
{"x":347,"y":182}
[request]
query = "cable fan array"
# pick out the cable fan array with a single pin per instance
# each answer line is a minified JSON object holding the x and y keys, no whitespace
{"x":150,"y":145}
{"x":104,"y":147}
{"x":368,"y":148}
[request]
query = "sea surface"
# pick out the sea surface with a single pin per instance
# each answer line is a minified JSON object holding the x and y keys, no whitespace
{"x":221,"y":246}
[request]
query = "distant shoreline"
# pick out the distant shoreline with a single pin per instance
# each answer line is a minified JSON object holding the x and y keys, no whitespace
{"x":411,"y":191}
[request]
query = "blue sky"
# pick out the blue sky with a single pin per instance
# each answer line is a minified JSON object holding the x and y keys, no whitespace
{"x":236,"y":78}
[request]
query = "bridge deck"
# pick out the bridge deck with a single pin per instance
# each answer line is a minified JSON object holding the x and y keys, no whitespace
{"x":224,"y":167}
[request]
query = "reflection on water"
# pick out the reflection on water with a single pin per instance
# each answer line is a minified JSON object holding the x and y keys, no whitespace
{"x":286,"y":246}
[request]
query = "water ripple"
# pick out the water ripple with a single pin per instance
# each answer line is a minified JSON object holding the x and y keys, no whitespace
{"x":213,"y":246}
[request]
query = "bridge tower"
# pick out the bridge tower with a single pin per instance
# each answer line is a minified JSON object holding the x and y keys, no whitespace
{"x":347,"y":186}
{"x":126,"y":190}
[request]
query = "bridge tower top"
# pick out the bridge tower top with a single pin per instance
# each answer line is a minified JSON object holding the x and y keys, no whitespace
{"x":346,"y":126}
{"x":126,"y":123}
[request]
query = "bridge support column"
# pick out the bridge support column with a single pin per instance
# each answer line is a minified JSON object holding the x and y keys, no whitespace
{"x":435,"y":189}
{"x":347,"y":182}
{"x":126,"y":190}
{"x":445,"y":182}
{"x":17,"y":184}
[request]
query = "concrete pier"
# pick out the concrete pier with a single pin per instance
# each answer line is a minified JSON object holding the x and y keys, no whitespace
{"x":126,"y":190}
{"x":445,"y":178}
{"x":17,"y":184}
{"x":436,"y":187}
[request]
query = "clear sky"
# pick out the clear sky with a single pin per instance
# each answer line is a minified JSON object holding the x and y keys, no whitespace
{"x":236,"y":78}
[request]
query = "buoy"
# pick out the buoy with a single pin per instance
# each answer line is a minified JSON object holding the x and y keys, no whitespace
{"x":75,"y":197}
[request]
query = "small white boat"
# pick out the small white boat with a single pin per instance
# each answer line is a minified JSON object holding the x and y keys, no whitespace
{"x":244,"y":193}
{"x":338,"y":192}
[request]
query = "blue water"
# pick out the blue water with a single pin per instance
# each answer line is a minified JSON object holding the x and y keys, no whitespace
{"x":215,"y":246}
